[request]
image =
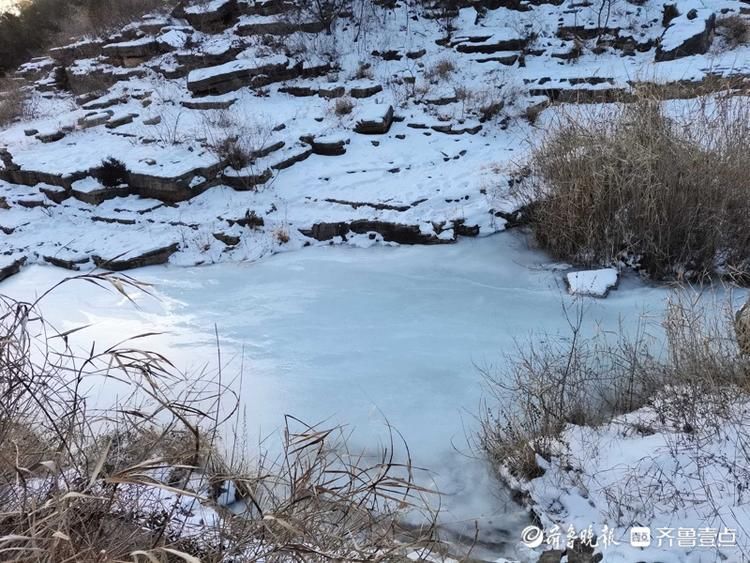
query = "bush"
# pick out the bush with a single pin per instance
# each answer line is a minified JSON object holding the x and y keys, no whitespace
{"x":572,"y":379}
{"x":631,"y":185}
{"x":112,"y":173}
{"x":147,"y":480}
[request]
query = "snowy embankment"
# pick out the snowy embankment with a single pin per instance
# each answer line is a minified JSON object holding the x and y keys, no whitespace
{"x":650,"y":486}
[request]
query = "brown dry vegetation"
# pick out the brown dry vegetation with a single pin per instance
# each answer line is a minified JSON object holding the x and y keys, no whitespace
{"x":735,"y":28}
{"x":12,"y":101}
{"x":589,"y":380}
{"x":142,"y":481}
{"x":40,"y":24}
{"x":630,"y":184}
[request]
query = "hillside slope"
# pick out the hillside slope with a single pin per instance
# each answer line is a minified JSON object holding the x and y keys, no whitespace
{"x":245,"y":128}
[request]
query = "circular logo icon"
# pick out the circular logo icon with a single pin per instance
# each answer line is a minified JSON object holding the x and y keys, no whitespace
{"x":532,"y":536}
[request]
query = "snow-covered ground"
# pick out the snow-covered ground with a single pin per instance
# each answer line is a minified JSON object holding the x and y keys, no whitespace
{"x":359,"y":336}
{"x":437,"y":129}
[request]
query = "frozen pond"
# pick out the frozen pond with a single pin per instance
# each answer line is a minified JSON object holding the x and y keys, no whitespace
{"x":359,"y":336}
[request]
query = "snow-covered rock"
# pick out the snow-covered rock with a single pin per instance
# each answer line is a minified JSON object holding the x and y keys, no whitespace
{"x":596,"y":283}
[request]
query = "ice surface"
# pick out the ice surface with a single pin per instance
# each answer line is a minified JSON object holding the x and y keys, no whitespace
{"x":357,"y":336}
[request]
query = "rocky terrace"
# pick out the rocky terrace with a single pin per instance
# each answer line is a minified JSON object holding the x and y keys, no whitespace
{"x":246,"y":128}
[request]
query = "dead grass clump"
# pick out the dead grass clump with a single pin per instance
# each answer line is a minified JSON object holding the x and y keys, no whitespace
{"x":735,"y":29}
{"x":588,"y":381}
{"x":149,"y":479}
{"x":281,"y":235}
{"x":441,"y":70}
{"x":231,"y":150}
{"x":12,"y":101}
{"x":343,"y":106}
{"x":665,"y":194}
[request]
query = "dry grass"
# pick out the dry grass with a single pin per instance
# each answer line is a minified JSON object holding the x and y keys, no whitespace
{"x":343,"y":106}
{"x":149,"y":480}
{"x":441,"y":70}
{"x":735,"y":29}
{"x":281,"y":234}
{"x":573,"y":379}
{"x":12,"y":101}
{"x":667,"y":195}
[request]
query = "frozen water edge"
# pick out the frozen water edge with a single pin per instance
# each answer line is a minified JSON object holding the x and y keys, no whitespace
{"x":358,"y":336}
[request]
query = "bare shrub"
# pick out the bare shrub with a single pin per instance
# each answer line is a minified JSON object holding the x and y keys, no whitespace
{"x":588,"y":381}
{"x":735,"y":29}
{"x":232,"y":150}
{"x":343,"y":106}
{"x":243,"y":143}
{"x":630,"y":184}
{"x":572,"y":379}
{"x":148,"y":479}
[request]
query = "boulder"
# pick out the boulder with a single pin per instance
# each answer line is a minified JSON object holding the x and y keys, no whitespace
{"x":87,"y":49}
{"x":291,"y":156}
{"x":236,"y":74}
{"x":10,"y":266}
{"x":207,"y":104}
{"x":58,"y":194}
{"x":508,"y":41}
{"x":133,"y":53}
{"x":94,"y":119}
{"x":596,"y":283}
{"x":229,"y":240}
{"x":173,"y":189}
{"x":120,"y":120}
{"x":375,"y":120}
{"x":51,"y":136}
{"x":330,"y":145}
{"x":391,"y":232}
{"x":365,"y":89}
{"x":248,"y":178}
{"x":209,"y":17}
{"x":687,"y":34}
{"x":131,"y":260}
{"x":331,"y":91}
{"x":265,"y":7}
{"x":69,"y":261}
{"x":89,"y":190}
